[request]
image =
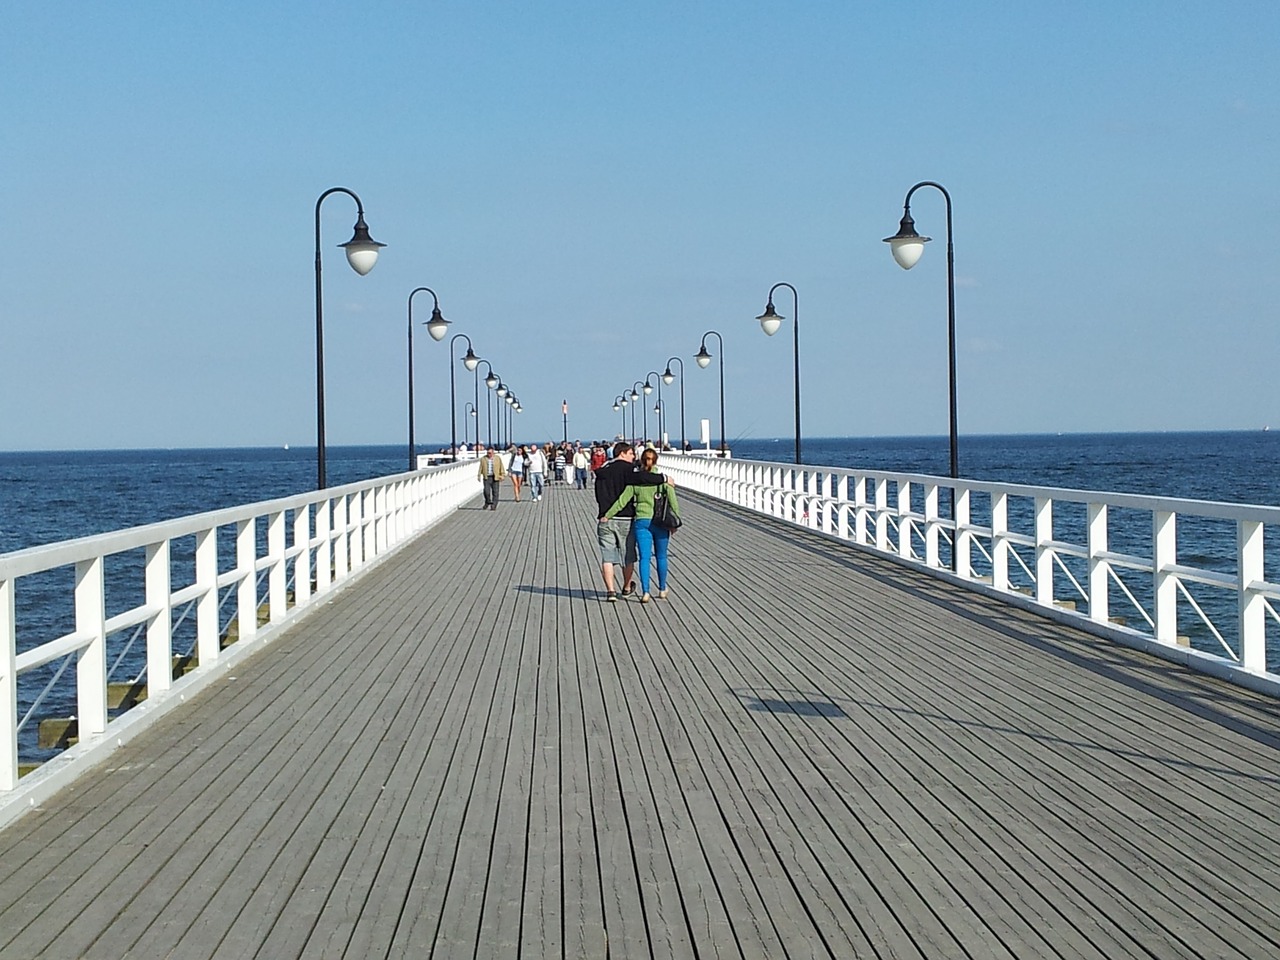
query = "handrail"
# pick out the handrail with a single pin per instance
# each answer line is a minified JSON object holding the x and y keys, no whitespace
{"x":316,"y":540}
{"x":894,"y":513}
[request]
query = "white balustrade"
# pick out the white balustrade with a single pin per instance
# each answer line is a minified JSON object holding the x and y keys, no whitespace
{"x":1021,"y":549}
{"x":334,"y":534}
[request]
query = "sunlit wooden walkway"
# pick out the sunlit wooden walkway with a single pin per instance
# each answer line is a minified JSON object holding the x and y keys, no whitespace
{"x":805,"y":752}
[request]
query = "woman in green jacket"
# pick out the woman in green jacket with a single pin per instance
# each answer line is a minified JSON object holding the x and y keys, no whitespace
{"x":651,"y":540}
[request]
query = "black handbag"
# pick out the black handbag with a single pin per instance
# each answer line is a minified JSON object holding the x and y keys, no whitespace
{"x":664,"y":515}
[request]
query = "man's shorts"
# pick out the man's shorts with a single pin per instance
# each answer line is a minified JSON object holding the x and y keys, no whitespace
{"x":615,"y":544}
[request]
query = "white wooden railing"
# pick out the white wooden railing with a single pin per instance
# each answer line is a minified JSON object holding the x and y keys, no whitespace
{"x":314,"y":542}
{"x":1148,"y":559}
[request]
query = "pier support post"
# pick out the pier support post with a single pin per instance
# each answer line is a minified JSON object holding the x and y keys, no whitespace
{"x":8,"y":689}
{"x":1099,"y":568}
{"x":160,"y":626}
{"x":91,"y":665}
{"x":962,"y":537}
{"x":247,"y":588}
{"x":1044,"y":551}
{"x":1252,"y":605}
{"x":1164,"y":541}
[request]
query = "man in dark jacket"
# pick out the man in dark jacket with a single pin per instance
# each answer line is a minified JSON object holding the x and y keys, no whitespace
{"x":616,"y":546}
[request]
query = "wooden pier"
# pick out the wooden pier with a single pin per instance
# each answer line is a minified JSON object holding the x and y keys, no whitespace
{"x":805,"y":752}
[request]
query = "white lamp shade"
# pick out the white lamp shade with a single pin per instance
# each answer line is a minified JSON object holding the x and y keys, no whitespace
{"x":704,"y":359}
{"x":437,"y":326}
{"x":647,"y":388}
{"x":907,"y":250}
{"x":362,"y":255}
{"x":668,"y":378}
{"x":470,"y":361}
{"x":770,"y":324}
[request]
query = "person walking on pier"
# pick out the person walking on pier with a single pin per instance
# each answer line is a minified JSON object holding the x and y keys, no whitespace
{"x":519,"y":466}
{"x":618,"y":544}
{"x":580,"y":463}
{"x":651,"y":540}
{"x":537,"y":471}
{"x":492,"y":472}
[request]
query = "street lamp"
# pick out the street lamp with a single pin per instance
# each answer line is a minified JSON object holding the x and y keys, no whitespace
{"x":470,"y":361}
{"x":620,"y":403}
{"x":436,"y":326}
{"x":770,"y":321}
{"x":490,"y":381}
{"x":469,"y":410}
{"x":907,"y":246}
{"x":648,"y":389}
{"x":668,"y":378}
{"x":644,"y":411}
{"x":703,"y":359}
{"x":362,"y":254}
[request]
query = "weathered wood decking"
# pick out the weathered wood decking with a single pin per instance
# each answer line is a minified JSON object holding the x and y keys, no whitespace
{"x":805,"y":752}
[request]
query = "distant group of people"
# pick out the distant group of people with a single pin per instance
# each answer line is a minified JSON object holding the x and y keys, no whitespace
{"x":626,"y":494}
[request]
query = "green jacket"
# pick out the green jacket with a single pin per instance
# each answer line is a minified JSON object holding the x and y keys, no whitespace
{"x":643,"y":496}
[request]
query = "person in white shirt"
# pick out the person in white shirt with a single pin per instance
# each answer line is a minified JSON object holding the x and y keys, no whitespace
{"x":580,"y":463}
{"x":537,"y":469}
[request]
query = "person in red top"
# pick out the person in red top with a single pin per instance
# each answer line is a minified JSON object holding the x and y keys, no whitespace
{"x":598,"y":458}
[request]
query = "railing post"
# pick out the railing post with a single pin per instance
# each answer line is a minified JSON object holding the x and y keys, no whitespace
{"x":1099,"y":568}
{"x":207,"y":645}
{"x":962,"y":536}
{"x":1000,"y":541}
{"x":8,"y":688}
{"x":859,"y":510}
{"x":325,"y":547}
{"x":159,"y":591}
{"x":1044,"y":551}
{"x":905,"y":525}
{"x":277,"y":576}
{"x":247,"y":588}
{"x":931,"y":531}
{"x":1252,"y":604}
{"x":882,"y":514}
{"x":1164,"y":541}
{"x":91,"y":665}
{"x":341,"y":537}
{"x":302,"y":555}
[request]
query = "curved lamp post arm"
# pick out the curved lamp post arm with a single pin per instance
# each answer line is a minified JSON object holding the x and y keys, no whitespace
{"x":362,"y":253}
{"x":435,"y":312}
{"x":683,"y":439}
{"x":453,"y":399}
{"x":658,"y":377}
{"x":907,"y":247}
{"x":703,"y":359}
{"x":488,"y":399}
{"x":770,"y":320}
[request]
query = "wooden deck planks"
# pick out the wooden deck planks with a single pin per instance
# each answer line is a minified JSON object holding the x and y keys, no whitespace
{"x":805,"y":752}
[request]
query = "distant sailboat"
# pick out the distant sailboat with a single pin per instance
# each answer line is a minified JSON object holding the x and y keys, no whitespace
{"x":286,"y":446}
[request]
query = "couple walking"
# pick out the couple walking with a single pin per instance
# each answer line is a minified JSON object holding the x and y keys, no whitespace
{"x":624,"y":493}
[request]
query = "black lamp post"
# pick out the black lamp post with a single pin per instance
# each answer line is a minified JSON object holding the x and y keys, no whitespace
{"x":907,"y":246}
{"x":502,"y":391}
{"x":491,"y":382}
{"x":437,"y":326}
{"x":648,"y":389}
{"x":470,"y":361}
{"x":469,"y":410}
{"x":703,"y":359}
{"x":644,"y":413}
{"x":362,"y":254}
{"x":620,"y":403}
{"x":668,"y":378}
{"x":770,"y":321}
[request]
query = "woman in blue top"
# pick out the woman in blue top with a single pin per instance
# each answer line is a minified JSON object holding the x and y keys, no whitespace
{"x":651,"y":540}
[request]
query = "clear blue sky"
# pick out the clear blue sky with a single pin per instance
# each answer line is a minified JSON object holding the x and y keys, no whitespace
{"x":591,"y":186}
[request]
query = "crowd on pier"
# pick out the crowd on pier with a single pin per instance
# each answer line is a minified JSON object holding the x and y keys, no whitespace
{"x":636,"y":505}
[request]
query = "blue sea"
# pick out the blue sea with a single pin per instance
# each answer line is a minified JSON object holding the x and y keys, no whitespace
{"x":51,"y":496}
{"x":47,"y":497}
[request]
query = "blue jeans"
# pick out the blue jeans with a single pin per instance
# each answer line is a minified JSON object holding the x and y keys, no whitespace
{"x":652,"y":541}
{"x":535,"y":484}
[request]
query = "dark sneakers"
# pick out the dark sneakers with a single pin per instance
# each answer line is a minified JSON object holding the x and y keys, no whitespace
{"x":629,"y":589}
{"x":611,"y":597}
